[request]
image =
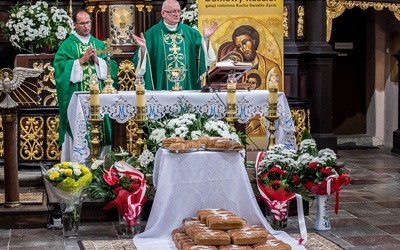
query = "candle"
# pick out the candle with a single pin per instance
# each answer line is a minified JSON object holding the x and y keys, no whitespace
{"x":140,"y":98}
{"x":231,"y":96}
{"x":94,"y":94}
{"x":273,"y":92}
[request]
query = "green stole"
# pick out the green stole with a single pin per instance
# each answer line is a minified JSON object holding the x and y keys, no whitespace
{"x":70,"y":50}
{"x":180,"y":49}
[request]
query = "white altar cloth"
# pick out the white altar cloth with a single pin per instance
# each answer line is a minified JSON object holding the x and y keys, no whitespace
{"x":188,"y":182}
{"x":121,"y":107}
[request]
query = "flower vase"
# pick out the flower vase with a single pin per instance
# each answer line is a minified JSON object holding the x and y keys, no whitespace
{"x":70,"y":216}
{"x":129,"y":227}
{"x":278,"y":215}
{"x":322,"y":217}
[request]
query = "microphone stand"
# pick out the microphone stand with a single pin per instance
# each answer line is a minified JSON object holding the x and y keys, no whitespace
{"x":206,"y":88}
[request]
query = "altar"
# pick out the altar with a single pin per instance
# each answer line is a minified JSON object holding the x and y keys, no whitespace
{"x":121,"y":106}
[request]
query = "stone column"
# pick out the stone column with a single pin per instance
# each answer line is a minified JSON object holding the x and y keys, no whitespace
{"x":11,"y":182}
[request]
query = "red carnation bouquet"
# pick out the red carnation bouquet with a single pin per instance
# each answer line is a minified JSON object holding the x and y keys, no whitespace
{"x":123,"y":186}
{"x":278,"y":182}
{"x":319,"y":171}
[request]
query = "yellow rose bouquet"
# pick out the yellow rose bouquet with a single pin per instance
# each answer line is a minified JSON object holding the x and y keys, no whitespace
{"x":68,"y":182}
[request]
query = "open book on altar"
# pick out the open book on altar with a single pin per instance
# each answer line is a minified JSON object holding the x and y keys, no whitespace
{"x":218,"y":74}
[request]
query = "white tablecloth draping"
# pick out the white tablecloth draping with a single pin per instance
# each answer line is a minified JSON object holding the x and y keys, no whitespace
{"x":191,"y":181}
{"x":121,"y":107}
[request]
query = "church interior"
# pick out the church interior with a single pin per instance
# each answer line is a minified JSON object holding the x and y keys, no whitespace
{"x":339,"y":75}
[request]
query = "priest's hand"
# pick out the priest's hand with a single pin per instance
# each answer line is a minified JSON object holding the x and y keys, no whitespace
{"x":141,"y":41}
{"x":90,"y":55}
{"x":209,"y":30}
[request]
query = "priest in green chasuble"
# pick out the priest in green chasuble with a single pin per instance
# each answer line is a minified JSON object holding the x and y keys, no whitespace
{"x":76,"y":60}
{"x":172,"y":45}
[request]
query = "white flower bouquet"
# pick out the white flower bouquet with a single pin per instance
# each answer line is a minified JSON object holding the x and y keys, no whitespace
{"x":31,"y":26}
{"x":190,"y":14}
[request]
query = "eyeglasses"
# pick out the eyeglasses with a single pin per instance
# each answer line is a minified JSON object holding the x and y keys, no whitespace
{"x":173,"y":11}
{"x":85,"y":23}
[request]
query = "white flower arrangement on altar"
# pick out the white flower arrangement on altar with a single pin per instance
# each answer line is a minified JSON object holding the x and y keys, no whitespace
{"x":187,"y":125}
{"x":31,"y":26}
{"x":190,"y":15}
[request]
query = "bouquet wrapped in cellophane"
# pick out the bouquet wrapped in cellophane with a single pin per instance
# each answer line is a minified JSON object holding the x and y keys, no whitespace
{"x":68,"y":181}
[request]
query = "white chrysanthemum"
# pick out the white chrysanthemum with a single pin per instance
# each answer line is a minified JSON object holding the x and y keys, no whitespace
{"x":145,"y":158}
{"x":158,"y":135}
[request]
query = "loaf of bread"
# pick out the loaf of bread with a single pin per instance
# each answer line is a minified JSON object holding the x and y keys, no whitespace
{"x":200,"y":247}
{"x":235,"y":247}
{"x":203,"y":213}
{"x":222,"y":143}
{"x":203,"y":139}
{"x":247,"y":237}
{"x":212,"y":238}
{"x":177,"y":146}
{"x":224,"y":222}
{"x":193,"y":144}
{"x":167,"y":141}
{"x":272,"y":244}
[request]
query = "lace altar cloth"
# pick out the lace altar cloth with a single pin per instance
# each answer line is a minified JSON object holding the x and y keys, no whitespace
{"x":122,"y":106}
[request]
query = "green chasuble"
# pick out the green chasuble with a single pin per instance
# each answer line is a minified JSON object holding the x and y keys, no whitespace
{"x":167,"y":50}
{"x":70,"y":50}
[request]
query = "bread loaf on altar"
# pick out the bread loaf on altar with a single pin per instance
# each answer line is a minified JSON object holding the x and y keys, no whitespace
{"x":248,"y":237}
{"x":224,"y":221}
{"x":212,"y":238}
{"x":223,"y":143}
{"x":235,"y":247}
{"x":203,"y":139}
{"x":272,"y":244}
{"x":200,"y":247}
{"x":167,"y":141}
{"x":192,"y":144}
{"x":203,"y":213}
{"x":177,"y":146}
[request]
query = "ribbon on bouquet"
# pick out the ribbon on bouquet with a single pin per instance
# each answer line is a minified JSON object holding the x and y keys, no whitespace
{"x":279,"y":208}
{"x":137,"y":199}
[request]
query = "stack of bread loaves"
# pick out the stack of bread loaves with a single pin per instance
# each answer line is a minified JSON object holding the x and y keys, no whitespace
{"x":223,"y":230}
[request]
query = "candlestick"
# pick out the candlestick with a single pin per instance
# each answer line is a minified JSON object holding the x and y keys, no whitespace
{"x":140,"y":91}
{"x":273,"y":94}
{"x":94,"y":92}
{"x":231,"y":101}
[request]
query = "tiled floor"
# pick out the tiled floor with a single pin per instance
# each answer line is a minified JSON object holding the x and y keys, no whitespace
{"x":368,"y":218}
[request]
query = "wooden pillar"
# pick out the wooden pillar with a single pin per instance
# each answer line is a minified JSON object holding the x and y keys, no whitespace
{"x":11,"y":182}
{"x":319,"y":74}
{"x":396,"y":133}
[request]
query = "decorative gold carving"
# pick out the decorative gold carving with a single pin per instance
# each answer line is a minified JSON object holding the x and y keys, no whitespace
{"x":90,"y":9}
{"x":149,"y":8}
{"x":335,"y":8}
{"x":46,"y":90}
{"x":301,"y":120}
{"x":285,"y":21}
{"x":126,"y":75}
{"x":131,"y":129}
{"x":300,"y":21}
{"x":52,"y":152}
{"x":140,"y":7}
{"x":31,"y":138}
{"x":122,"y":24}
{"x":103,"y":8}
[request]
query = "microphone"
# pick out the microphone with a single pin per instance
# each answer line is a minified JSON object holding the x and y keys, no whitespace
{"x":207,"y":88}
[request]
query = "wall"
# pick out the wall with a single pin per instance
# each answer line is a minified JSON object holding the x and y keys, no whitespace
{"x":382,"y":91}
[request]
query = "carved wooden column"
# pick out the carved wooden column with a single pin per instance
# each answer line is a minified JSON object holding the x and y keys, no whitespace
{"x":11,"y":183}
{"x":319,"y":74}
{"x":396,"y":133}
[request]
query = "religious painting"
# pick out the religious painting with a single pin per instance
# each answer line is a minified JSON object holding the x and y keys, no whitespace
{"x":122,"y":24}
{"x":248,"y":31}
{"x":251,"y":32}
